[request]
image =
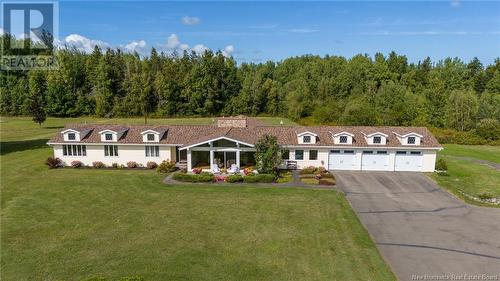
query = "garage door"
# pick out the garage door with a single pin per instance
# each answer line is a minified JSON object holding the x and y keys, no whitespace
{"x":342,"y":160}
{"x":408,"y":161}
{"x":377,"y":160}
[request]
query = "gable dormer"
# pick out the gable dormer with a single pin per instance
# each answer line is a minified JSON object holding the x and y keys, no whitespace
{"x":376,"y":138}
{"x":75,"y":135}
{"x":306,"y":137}
{"x":114,"y":135}
{"x":343,"y":138}
{"x":410,"y":138}
{"x":71,"y":135}
{"x":151,"y":136}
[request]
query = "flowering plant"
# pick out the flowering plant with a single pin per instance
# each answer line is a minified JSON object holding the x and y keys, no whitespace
{"x":196,"y":170}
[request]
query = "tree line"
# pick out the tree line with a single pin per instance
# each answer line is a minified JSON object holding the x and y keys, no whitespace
{"x":361,"y":90}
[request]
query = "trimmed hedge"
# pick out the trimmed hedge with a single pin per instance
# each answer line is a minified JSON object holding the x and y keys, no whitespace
{"x":166,"y":167}
{"x":267,"y":178}
{"x":203,"y":177}
{"x":234,"y":178}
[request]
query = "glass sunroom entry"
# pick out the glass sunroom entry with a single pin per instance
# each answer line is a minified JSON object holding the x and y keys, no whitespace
{"x":220,"y":153}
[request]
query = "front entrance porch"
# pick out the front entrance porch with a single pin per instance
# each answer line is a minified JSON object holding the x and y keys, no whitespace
{"x":220,"y":153}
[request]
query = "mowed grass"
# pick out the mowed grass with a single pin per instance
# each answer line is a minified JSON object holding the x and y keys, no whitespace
{"x":23,"y":128}
{"x":73,"y":224}
{"x":483,"y":152}
{"x":467,"y":176}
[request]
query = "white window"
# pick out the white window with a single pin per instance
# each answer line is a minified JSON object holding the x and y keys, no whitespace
{"x":411,"y":140}
{"x":152,"y":151}
{"x":313,"y":155}
{"x":377,"y":140}
{"x":111,"y":150}
{"x":343,"y":139}
{"x":151,"y":137}
{"x":108,"y":137}
{"x":71,"y":136}
{"x":299,"y":154}
{"x":306,"y":139}
{"x":74,"y":150}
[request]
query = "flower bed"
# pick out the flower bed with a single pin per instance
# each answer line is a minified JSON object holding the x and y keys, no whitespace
{"x":316,"y":175}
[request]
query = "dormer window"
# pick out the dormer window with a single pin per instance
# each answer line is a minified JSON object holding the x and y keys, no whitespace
{"x":411,"y":140}
{"x":151,"y":137}
{"x":108,"y":137}
{"x":377,"y":140}
{"x":343,"y":139}
{"x":307,"y":138}
{"x":71,"y":136}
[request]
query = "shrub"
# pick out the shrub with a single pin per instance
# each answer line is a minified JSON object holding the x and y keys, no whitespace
{"x":327,"y":175}
{"x":267,"y":178}
{"x":53,"y":163}
{"x":196,"y":170}
{"x":76,"y":164}
{"x":151,"y":165}
{"x":132,"y":164}
{"x":115,"y":165}
{"x":441,"y":165}
{"x":98,"y":165}
{"x":327,"y":181}
{"x":204,"y":177}
{"x":234,"y":178}
{"x":485,"y":195}
{"x":308,"y":170}
{"x":166,"y":167}
{"x":488,"y":129}
{"x":183,"y":170}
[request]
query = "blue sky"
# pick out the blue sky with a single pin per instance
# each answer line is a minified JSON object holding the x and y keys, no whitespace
{"x":260,"y":31}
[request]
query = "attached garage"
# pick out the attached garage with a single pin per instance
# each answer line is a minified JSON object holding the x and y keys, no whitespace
{"x":411,"y":161}
{"x":375,"y":160}
{"x":342,"y":160}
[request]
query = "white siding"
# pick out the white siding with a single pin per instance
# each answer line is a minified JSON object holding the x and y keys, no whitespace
{"x":321,"y":161}
{"x":429,"y":162}
{"x":126,"y":153}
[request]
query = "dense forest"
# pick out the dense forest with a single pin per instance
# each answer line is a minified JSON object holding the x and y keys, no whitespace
{"x":362,"y":90}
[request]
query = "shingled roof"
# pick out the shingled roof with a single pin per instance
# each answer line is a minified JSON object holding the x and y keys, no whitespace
{"x":185,"y":135}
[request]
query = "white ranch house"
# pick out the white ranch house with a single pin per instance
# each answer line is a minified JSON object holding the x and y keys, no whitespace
{"x":230,"y":142}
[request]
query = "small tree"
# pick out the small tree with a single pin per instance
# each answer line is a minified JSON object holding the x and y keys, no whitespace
{"x":36,"y":97}
{"x":267,"y":154}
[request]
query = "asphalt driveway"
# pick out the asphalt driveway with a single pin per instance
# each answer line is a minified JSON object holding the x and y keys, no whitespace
{"x":421,"y":230}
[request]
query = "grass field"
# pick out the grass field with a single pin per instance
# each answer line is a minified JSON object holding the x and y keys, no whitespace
{"x":467,"y":176}
{"x":71,"y":224}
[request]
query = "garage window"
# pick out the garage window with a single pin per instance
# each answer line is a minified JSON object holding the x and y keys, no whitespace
{"x":367,"y":152}
{"x":313,"y":155}
{"x":415,"y":153}
{"x":401,"y":152}
{"x":335,"y":151}
{"x":381,"y":152}
{"x":348,"y":151}
{"x":299,"y":154}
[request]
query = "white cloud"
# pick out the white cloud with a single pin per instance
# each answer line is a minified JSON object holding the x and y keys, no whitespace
{"x":228,"y":51}
{"x":135,"y":46}
{"x":200,"y":49}
{"x":186,"y":20}
{"x":303,"y":30}
{"x":455,"y":3}
{"x":82,"y":43}
{"x":173,"y":41}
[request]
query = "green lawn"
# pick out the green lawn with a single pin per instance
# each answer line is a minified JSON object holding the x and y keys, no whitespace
{"x":483,"y":152}
{"x":467,"y":176}
{"x":71,"y":224}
